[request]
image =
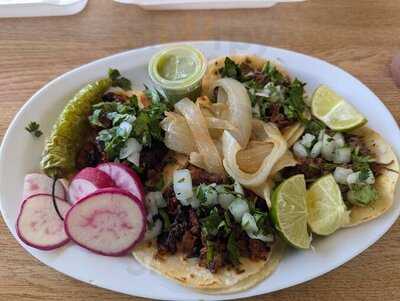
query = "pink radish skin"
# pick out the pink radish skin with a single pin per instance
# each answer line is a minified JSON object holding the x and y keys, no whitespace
{"x":38,"y":224}
{"x":36,"y":183}
{"x":124,"y":178}
{"x":108,"y":222}
{"x":86,"y":181}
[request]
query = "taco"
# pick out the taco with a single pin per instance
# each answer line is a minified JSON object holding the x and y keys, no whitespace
{"x":362,"y":163}
{"x":275,"y":97}
{"x":204,"y":243}
{"x":235,"y":66}
{"x":386,"y":172}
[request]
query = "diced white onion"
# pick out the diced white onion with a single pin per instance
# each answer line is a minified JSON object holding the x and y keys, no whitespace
{"x":353,"y":178}
{"x":256,"y":110}
{"x":307,"y":140}
{"x":342,"y":155}
{"x":211,"y":196}
{"x":131,"y":146}
{"x":339,"y":139}
{"x":225,"y":199}
{"x":134,"y":158}
{"x":371,"y":179}
{"x":183,"y":187}
{"x":238,"y":208}
{"x":249,"y":223}
{"x":158,"y":198}
{"x":328,"y":147}
{"x":316,"y":150}
{"x":126,"y":127}
{"x":238,"y":188}
{"x":154,"y":231}
{"x":299,"y":150}
{"x":340,"y":174}
{"x":151,"y":202}
{"x":321,"y":135}
{"x":262,"y":237}
{"x":194,"y":202}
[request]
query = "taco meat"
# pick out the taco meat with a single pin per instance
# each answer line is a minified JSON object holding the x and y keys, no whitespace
{"x":187,"y":234}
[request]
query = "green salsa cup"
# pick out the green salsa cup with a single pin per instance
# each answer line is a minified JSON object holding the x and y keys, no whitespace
{"x":178,"y":71}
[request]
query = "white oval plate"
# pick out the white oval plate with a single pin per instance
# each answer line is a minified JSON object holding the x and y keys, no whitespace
{"x":20,"y":154}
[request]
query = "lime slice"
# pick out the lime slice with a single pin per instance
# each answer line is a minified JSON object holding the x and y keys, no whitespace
{"x":334,"y":111}
{"x":289,"y":211}
{"x":326,"y":209}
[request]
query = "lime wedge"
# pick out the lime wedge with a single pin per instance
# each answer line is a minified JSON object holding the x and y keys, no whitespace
{"x":334,"y":111}
{"x":326,"y":209}
{"x":289,"y":211}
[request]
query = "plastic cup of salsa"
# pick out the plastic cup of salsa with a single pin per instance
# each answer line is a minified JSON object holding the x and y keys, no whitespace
{"x":178,"y":71}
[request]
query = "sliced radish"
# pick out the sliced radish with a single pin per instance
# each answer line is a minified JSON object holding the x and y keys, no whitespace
{"x":124,"y":178}
{"x":88,"y":180}
{"x":38,"y":224}
{"x":109,"y":222}
{"x":36,"y":183}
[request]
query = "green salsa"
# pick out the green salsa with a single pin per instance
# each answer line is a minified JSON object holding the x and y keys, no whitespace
{"x":176,"y":67}
{"x":178,"y":71}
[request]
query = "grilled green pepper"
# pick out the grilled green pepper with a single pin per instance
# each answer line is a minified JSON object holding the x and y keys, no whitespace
{"x":68,"y":134}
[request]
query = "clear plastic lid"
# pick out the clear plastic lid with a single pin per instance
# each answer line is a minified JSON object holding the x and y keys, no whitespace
{"x":40,"y":8}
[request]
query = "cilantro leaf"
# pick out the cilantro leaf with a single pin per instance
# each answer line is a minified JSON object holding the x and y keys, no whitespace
{"x":233,"y":250}
{"x":154,"y":95}
{"x":314,"y":126}
{"x":113,"y":74}
{"x":364,"y":175}
{"x":147,"y":124}
{"x":294,"y":105}
{"x":231,"y":69}
{"x":272,"y":73}
{"x":210,"y":251}
{"x":118,"y":80}
{"x":359,"y":161}
{"x":33,"y":128}
{"x":209,"y":224}
{"x":165,"y":218}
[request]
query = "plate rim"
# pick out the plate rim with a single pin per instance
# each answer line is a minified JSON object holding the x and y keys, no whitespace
{"x":61,"y":77}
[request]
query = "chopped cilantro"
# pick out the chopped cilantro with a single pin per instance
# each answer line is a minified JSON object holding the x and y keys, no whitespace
{"x":209,"y":224}
{"x":33,"y":128}
{"x":273,"y":73}
{"x":146,"y":127}
{"x":360,"y":162}
{"x":223,"y":226}
{"x":154,"y":95}
{"x":165,"y":218}
{"x":231,"y":69}
{"x":210,"y":251}
{"x":364,"y":175}
{"x":294,"y":106}
{"x":160,"y":184}
{"x":233,"y":250}
{"x":314,"y":126}
{"x":120,"y":121}
{"x":228,"y":219}
{"x":113,"y":74}
{"x":118,"y":80}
